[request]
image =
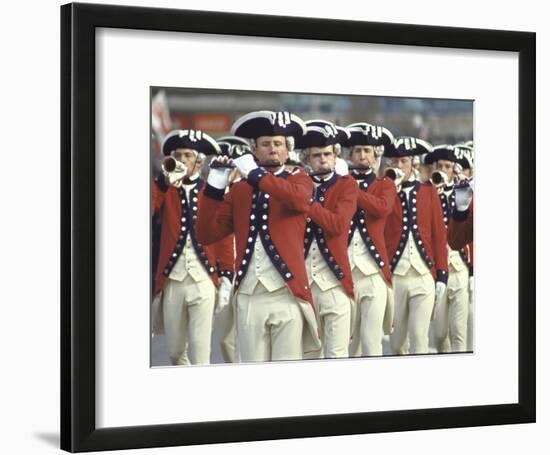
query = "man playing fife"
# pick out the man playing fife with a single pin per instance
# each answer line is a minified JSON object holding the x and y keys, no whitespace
{"x":325,"y":243}
{"x":267,"y":212}
{"x":367,"y":247}
{"x":417,"y":245}
{"x":451,"y":319}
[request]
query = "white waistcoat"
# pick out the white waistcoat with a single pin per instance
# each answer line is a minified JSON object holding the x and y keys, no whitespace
{"x":188,"y":263}
{"x":318,"y":270}
{"x":410,"y":257}
{"x":360,"y":257}
{"x":260,"y":270}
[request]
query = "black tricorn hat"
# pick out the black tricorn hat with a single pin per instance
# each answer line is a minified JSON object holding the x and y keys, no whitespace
{"x":464,"y":155}
{"x":366,"y":134}
{"x":440,"y":152}
{"x":407,"y":146}
{"x":321,"y":133}
{"x":268,"y":123}
{"x":233,"y":146}
{"x":189,"y":139}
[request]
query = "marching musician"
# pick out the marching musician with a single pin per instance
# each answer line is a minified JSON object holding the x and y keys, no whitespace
{"x":464,"y":154}
{"x":451,"y":318}
{"x":223,"y":336}
{"x":325,"y":243}
{"x":186,"y":271}
{"x":366,"y":244}
{"x":266,"y":211}
{"x":417,"y":247}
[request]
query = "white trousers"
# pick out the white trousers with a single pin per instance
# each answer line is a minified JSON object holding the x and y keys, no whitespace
{"x":414,"y":298}
{"x":450,"y":324}
{"x":371,"y":295}
{"x":223,"y":336}
{"x":270,"y":325}
{"x":334,"y":314}
{"x":470,"y":339}
{"x":188,"y":309}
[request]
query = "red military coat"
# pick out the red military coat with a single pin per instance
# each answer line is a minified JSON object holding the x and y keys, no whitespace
{"x":330,"y":216}
{"x":270,"y":208}
{"x":421,"y":214}
{"x":448,"y":204}
{"x":461,"y":228}
{"x":178,"y":216}
{"x":375,"y":201}
{"x":224,"y":252}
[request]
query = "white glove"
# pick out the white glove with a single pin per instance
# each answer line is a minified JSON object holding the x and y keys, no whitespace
{"x":245,"y":164}
{"x":463,"y":197}
{"x":224,"y":294}
{"x":341,"y":167}
{"x":219,"y":177}
{"x":439,"y":294}
{"x":399,"y":176}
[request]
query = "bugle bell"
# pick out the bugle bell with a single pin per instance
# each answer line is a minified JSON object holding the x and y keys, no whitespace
{"x":391,"y":173}
{"x":439,"y":178}
{"x":170,"y":164}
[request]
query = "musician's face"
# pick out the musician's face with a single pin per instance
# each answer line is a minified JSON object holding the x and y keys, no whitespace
{"x":271,"y":148}
{"x":446,"y":167}
{"x":189,"y":158}
{"x":363,"y":155}
{"x":321,"y":158}
{"x":405,"y":164}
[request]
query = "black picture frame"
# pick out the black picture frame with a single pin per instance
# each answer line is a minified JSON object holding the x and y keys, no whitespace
{"x":78,"y":176}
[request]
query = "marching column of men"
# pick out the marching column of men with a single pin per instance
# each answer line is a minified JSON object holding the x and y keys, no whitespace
{"x":270,"y":261}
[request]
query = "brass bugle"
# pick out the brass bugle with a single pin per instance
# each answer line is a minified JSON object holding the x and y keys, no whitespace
{"x":170,"y":164}
{"x":390,"y":173}
{"x":439,"y":178}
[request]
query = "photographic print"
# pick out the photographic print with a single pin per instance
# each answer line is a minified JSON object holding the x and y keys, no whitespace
{"x":291,"y":227}
{"x":296,"y":226}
